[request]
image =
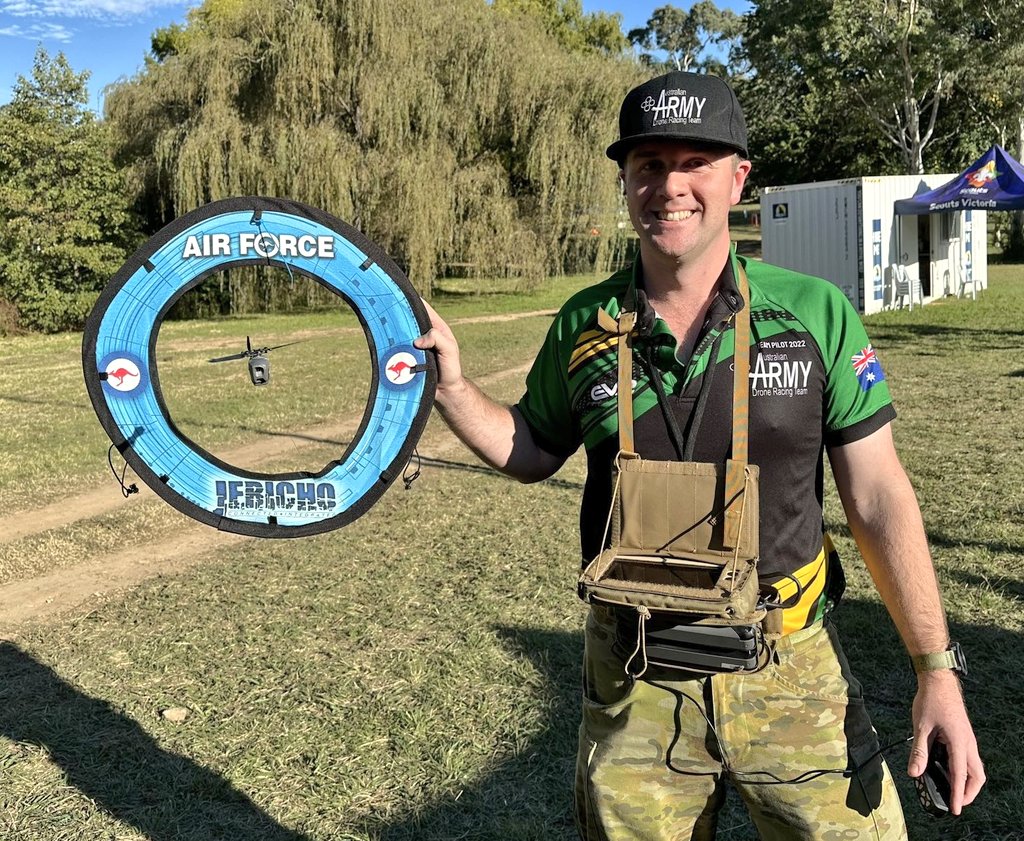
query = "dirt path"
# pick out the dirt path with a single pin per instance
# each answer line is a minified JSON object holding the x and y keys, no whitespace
{"x":180,"y":345}
{"x":493,"y":319}
{"x":60,"y":591}
{"x":108,"y":497}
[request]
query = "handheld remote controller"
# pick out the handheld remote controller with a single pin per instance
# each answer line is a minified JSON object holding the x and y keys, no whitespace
{"x":933,"y":785}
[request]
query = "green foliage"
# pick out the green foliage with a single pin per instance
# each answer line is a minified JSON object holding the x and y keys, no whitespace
{"x":798,"y":133}
{"x":203,"y":22}
{"x":880,"y":71}
{"x":989,"y":96}
{"x":901,"y":63}
{"x":459,"y":138}
{"x":64,"y":228}
{"x":994,"y":100}
{"x":798,"y":137}
{"x":694,"y":40}
{"x":167,"y":41}
{"x":565,"y":21}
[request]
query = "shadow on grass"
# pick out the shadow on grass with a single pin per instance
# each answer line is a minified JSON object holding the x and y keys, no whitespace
{"x":996,"y":547}
{"x":1005,"y":585}
{"x":110,"y":759}
{"x":483,"y":468}
{"x":528,"y":796}
{"x":940,"y":540}
{"x":424,"y":461}
{"x":34,"y":401}
{"x":995,"y":658}
{"x":907,"y":332}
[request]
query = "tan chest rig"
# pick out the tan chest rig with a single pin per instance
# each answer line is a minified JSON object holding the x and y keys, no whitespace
{"x":684,"y":541}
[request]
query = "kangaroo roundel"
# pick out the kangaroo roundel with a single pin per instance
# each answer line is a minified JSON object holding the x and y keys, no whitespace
{"x":121,"y":371}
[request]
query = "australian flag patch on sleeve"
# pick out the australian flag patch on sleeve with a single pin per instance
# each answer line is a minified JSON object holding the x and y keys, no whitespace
{"x":867,"y":368}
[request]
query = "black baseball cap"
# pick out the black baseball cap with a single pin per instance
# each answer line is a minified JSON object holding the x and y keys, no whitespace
{"x":681,"y":106}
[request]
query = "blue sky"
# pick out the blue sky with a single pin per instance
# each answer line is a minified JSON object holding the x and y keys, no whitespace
{"x":107,"y":37}
{"x":110,"y":38}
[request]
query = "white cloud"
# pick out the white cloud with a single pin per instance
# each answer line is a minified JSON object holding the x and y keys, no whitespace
{"x":93,"y":9}
{"x":38,"y":32}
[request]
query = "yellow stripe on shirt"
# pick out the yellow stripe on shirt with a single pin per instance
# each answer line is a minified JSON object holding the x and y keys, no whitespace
{"x":812,"y":578}
{"x":590,"y":344}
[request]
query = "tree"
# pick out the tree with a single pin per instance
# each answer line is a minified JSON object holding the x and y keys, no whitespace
{"x":456,"y":136}
{"x":801,"y":128}
{"x":566,"y":21}
{"x":893,"y":63}
{"x":901,"y":59}
{"x":994,"y":99}
{"x":695,"y":40}
{"x":204,"y":21}
{"x":798,"y":136}
{"x":64,"y":225}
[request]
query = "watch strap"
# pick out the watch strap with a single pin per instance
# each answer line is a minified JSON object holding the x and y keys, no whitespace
{"x":951,"y":658}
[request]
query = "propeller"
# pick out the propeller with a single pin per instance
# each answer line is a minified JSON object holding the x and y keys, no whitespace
{"x":250,"y":352}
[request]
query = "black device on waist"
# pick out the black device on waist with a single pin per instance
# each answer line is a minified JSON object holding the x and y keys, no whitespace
{"x":688,"y":647}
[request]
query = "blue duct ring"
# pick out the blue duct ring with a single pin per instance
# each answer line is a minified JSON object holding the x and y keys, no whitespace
{"x":119,"y":360}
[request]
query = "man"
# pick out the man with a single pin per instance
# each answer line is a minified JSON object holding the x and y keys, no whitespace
{"x":793,"y":738}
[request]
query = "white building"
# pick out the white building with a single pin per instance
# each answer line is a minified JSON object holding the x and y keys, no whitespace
{"x":847,"y":232}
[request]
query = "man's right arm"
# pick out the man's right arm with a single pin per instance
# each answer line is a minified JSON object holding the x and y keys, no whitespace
{"x":498,"y":434}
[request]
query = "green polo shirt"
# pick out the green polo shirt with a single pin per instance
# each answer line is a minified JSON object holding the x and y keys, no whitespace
{"x":815,"y":381}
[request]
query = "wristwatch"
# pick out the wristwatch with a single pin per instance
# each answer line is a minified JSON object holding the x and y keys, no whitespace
{"x":952,"y":658}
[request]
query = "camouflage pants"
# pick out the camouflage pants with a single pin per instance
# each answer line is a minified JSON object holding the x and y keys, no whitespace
{"x":651,"y":768}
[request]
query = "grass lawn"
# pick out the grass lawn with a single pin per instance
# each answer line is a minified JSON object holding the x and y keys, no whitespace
{"x":415,"y":675}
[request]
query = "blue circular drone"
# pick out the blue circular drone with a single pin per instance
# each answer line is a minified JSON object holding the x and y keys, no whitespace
{"x":121,"y":375}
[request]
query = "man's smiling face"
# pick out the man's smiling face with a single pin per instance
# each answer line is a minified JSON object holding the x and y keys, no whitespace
{"x":679,"y":195}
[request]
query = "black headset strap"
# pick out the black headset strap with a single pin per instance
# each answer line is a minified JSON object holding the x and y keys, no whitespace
{"x":684,"y":448}
{"x":670,"y":417}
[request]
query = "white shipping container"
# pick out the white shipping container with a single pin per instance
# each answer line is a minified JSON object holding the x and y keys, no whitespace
{"x":847,"y":232}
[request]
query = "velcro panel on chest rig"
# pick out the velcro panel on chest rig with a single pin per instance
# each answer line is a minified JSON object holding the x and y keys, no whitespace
{"x":678,"y":508}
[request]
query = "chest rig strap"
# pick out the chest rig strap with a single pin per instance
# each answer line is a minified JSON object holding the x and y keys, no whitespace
{"x":737,"y":465}
{"x":623,"y":328}
{"x":735,"y":477}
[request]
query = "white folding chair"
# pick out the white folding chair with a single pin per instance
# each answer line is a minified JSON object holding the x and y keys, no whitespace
{"x":966,"y":284}
{"x":903,"y":288}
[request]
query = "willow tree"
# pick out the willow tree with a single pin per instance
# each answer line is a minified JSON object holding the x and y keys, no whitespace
{"x":454,"y":136}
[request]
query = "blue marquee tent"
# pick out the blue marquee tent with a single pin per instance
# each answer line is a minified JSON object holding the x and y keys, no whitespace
{"x":993,"y":182}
